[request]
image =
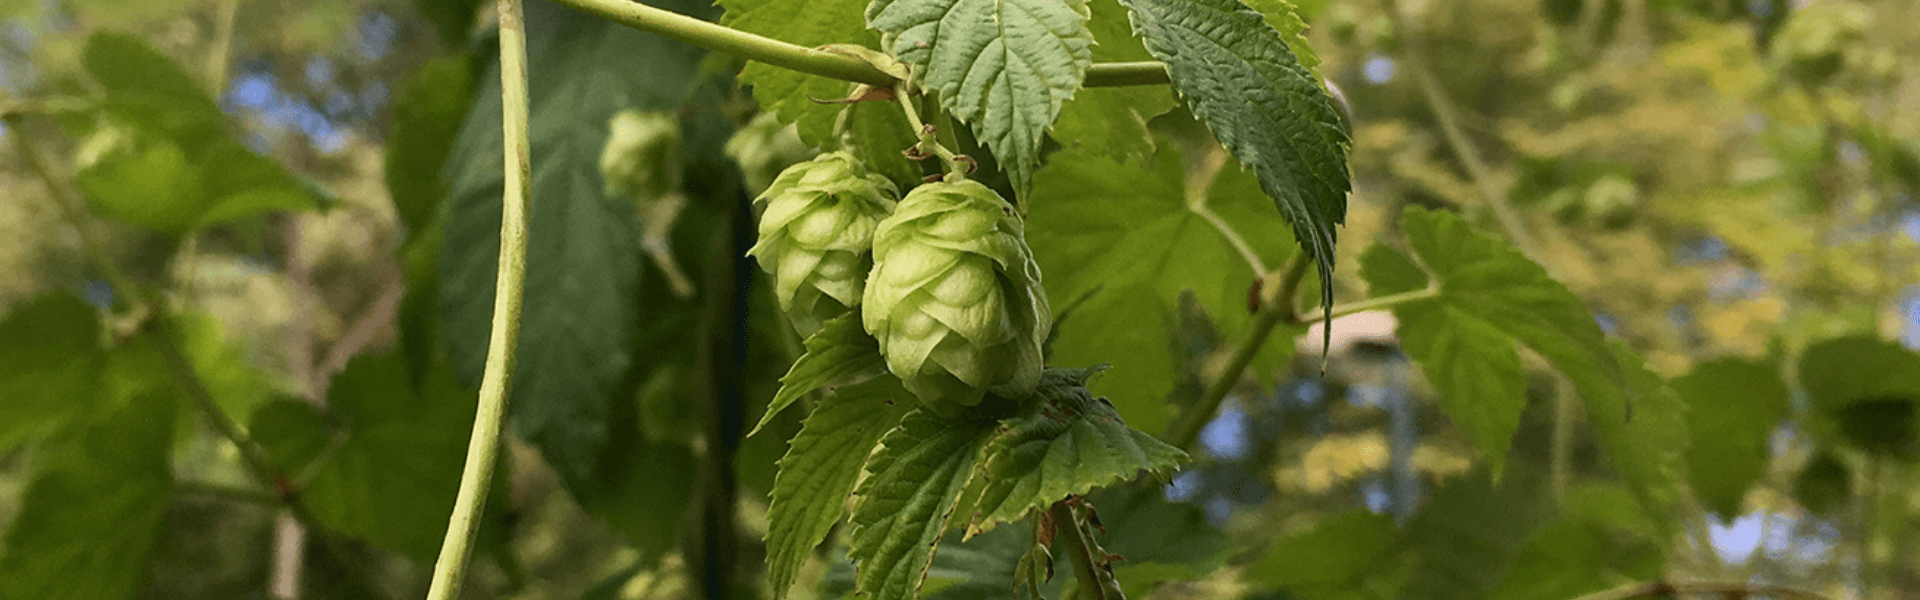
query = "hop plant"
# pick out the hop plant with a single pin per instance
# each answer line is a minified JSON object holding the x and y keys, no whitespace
{"x":955,"y":298}
{"x":642,"y":157}
{"x":763,"y":149}
{"x":816,"y":235}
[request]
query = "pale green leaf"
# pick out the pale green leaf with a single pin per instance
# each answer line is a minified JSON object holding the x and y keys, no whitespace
{"x":155,"y":187}
{"x":908,"y":498}
{"x":820,"y":468}
{"x":1131,"y":234}
{"x":1004,"y":66}
{"x":1237,"y":75}
{"x":809,"y":23}
{"x":840,"y":353}
{"x":90,"y":523}
{"x":1065,"y":443}
{"x":1112,"y":121}
{"x":1285,"y":18}
{"x":1648,"y":449}
{"x":1733,"y":406}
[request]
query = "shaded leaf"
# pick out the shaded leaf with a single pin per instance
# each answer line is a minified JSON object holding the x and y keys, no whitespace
{"x":1733,"y":405}
{"x":51,"y":363}
{"x":812,"y":23}
{"x":820,"y":468}
{"x":1570,"y":558}
{"x":1112,"y":121}
{"x":913,"y":486}
{"x":1238,"y":76}
{"x":840,"y":353}
{"x":1825,"y":485}
{"x":1336,"y":554}
{"x":426,"y":120}
{"x":1003,"y":66}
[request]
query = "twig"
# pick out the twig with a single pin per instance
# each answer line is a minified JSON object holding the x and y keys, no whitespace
{"x":362,"y":331}
{"x":1093,"y":580}
{"x":720,"y":38}
{"x":476,"y":479}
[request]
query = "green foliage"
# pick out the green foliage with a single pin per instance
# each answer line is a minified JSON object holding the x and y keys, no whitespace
{"x":382,"y":461}
{"x":1489,"y":297}
{"x":91,"y":521}
{"x":50,"y":366}
{"x":791,"y":94}
{"x":579,"y":324}
{"x":841,"y":353}
{"x":821,"y":466}
{"x":426,"y":121}
{"x":1112,"y":122}
{"x":908,"y":499}
{"x":1237,"y":75}
{"x":1068,"y":445}
{"x":1865,"y":390}
{"x":1647,"y":441}
{"x":1733,"y":405}
{"x":1135,"y":240}
{"x":1336,"y":558}
{"x":1006,"y":66}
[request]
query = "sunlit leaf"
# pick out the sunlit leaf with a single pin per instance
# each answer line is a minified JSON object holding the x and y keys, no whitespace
{"x":1733,"y":406}
{"x":912,"y":489}
{"x":821,"y":466}
{"x":840,"y":353}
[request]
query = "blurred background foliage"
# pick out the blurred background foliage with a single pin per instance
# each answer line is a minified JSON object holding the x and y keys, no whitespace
{"x":298,"y":200}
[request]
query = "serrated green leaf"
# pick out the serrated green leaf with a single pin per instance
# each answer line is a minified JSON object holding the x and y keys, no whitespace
{"x":1467,"y":533}
{"x":820,"y":468}
{"x":1284,"y":17}
{"x":1131,"y":234}
{"x":841,"y":353}
{"x":1569,"y":558}
{"x":879,"y":132}
{"x":810,"y":23}
{"x":1733,"y":406}
{"x":1064,"y":444}
{"x":1649,"y":449}
{"x":90,"y":522}
{"x":579,"y":324}
{"x":1489,"y":297}
{"x":1237,"y":76}
{"x":388,"y":458}
{"x":908,"y":499}
{"x":1004,"y":66}
{"x":50,"y":366}
{"x":426,"y":120}
{"x":1113,"y":121}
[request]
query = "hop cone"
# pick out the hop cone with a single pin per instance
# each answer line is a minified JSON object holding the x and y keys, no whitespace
{"x":642,"y":157}
{"x":764,"y":148}
{"x":955,"y":297}
{"x":816,"y":235}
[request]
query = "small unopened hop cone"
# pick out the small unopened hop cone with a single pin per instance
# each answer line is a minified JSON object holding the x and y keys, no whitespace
{"x":816,"y":235}
{"x":955,"y":298}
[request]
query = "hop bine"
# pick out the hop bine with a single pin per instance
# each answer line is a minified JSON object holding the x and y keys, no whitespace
{"x":955,"y":298}
{"x":816,"y":235}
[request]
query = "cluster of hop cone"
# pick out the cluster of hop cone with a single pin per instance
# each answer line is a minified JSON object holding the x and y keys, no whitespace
{"x":942,"y":278}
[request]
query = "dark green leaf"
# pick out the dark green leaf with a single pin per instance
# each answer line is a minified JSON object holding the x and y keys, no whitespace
{"x":1065,"y":443}
{"x":1467,"y":533}
{"x":1238,"y":76}
{"x":1733,"y":405}
{"x":812,"y":24}
{"x":50,"y":366}
{"x":1131,"y":234}
{"x":1865,"y":390}
{"x":820,"y":469}
{"x":841,"y":353}
{"x":453,"y":19}
{"x":908,"y":499}
{"x":579,"y":322}
{"x":426,"y":119}
{"x":1825,"y":485}
{"x":1004,"y":66}
{"x":91,"y":520}
{"x":1570,"y":558}
{"x":384,"y":460}
{"x":1159,"y":539}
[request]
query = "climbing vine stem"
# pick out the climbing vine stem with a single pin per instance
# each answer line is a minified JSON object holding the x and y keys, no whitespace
{"x":496,"y":381}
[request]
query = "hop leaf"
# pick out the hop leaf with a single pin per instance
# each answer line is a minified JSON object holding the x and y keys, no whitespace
{"x":816,"y":235}
{"x":955,"y":297}
{"x":642,"y":157}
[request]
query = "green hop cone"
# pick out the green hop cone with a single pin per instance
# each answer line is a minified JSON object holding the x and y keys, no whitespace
{"x":764,"y":148}
{"x":642,"y":157}
{"x":816,"y":235}
{"x":955,"y":298}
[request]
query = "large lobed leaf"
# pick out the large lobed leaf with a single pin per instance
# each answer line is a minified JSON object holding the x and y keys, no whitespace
{"x":579,"y":325}
{"x":1238,"y":76}
{"x":1112,"y":121}
{"x":820,"y":468}
{"x":1131,"y":241}
{"x":1004,"y":66}
{"x":384,"y":459}
{"x":811,"y":23}
{"x":1489,"y":298}
{"x":1068,"y":444}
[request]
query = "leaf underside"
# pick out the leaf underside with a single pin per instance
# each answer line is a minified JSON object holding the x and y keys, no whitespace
{"x":820,"y":468}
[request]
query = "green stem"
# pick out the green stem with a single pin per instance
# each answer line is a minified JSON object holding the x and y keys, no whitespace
{"x":1092,"y":581}
{"x":929,"y":138}
{"x":497,"y":379}
{"x":1370,"y":304}
{"x":1275,"y":309}
{"x":220,"y":57}
{"x":720,"y":38}
{"x":1728,"y":589}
